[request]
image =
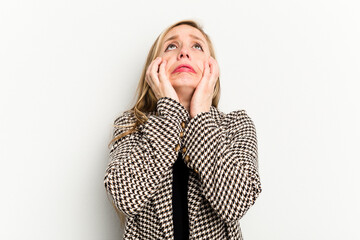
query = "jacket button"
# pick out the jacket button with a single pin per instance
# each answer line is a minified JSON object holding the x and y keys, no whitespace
{"x":177,"y":147}
{"x":184,"y":150}
{"x":181,"y":134}
{"x":187,"y":158}
{"x":183,"y":124}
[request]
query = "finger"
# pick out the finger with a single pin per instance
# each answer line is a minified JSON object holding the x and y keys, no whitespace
{"x":214,"y":68}
{"x":154,"y":70}
{"x":157,"y":63}
{"x":150,"y":67}
{"x":211,"y":65}
{"x":206,"y":69}
{"x":148,"y":71}
{"x":148,"y":77}
{"x":162,"y":74}
{"x":148,"y":80}
{"x":215,"y":65}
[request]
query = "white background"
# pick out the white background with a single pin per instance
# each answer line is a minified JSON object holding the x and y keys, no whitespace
{"x":69,"y":68}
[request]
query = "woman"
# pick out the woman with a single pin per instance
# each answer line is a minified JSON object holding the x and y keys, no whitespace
{"x":180,"y":168}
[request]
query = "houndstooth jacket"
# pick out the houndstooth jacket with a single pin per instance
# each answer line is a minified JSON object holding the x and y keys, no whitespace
{"x":220,"y":150}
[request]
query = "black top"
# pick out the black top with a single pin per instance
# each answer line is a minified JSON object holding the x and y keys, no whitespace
{"x":179,"y":199}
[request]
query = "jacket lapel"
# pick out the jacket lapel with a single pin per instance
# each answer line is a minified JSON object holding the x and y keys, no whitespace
{"x":163,"y":198}
{"x":163,"y":206}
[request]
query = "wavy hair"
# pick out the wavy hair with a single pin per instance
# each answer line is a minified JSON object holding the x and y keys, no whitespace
{"x":146,"y":100}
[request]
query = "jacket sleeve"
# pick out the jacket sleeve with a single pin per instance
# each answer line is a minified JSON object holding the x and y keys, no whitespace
{"x":225,"y":157}
{"x":139,"y":161}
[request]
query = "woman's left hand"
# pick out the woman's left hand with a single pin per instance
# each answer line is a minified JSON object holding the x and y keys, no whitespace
{"x":202,"y":98}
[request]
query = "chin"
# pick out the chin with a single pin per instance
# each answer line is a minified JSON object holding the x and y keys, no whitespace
{"x":183,"y":83}
{"x":184,"y":78}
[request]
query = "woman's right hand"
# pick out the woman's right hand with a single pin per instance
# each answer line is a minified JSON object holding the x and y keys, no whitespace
{"x":158,"y":81}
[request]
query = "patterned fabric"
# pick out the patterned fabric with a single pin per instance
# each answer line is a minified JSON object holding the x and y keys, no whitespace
{"x":220,"y":150}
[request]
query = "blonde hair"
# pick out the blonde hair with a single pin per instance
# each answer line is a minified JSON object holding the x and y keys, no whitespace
{"x":146,"y":100}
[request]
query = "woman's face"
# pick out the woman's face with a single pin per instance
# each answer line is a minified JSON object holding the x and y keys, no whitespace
{"x":184,"y":45}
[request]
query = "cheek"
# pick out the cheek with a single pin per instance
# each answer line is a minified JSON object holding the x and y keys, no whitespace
{"x":202,"y":67}
{"x":169,"y":64}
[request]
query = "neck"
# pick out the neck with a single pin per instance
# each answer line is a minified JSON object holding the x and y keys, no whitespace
{"x":185,"y":98}
{"x":185,"y":101}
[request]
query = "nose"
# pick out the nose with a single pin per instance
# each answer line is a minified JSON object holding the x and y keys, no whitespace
{"x":183,"y":53}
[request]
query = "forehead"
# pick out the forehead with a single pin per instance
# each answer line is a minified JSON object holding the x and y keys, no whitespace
{"x":184,"y":31}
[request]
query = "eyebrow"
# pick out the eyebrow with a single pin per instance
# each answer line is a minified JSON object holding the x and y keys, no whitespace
{"x":176,"y":36}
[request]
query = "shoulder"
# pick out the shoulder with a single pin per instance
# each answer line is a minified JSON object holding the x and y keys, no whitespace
{"x":123,"y":123}
{"x":233,"y":119}
{"x":127,"y":117}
